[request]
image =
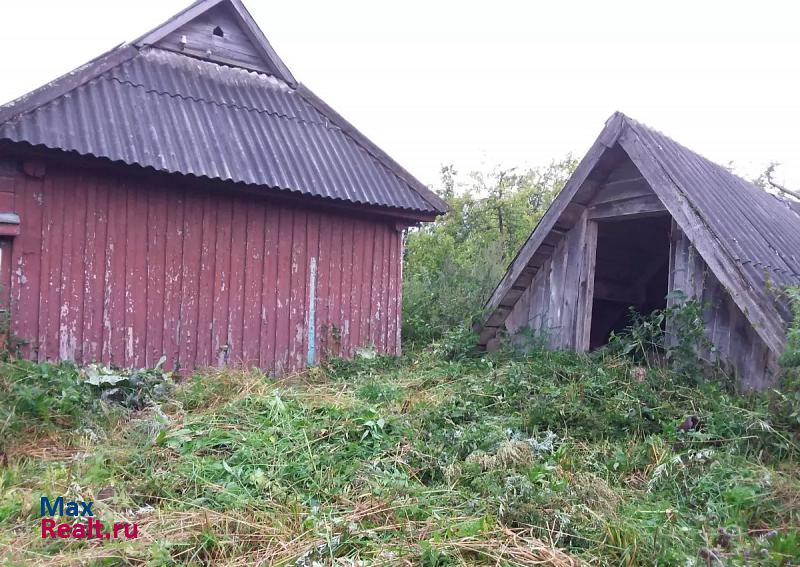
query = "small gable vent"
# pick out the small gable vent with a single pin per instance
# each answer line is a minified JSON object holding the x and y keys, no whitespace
{"x":222,"y":33}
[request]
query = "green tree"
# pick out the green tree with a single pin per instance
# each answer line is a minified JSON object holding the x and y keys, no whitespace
{"x":452,"y":265}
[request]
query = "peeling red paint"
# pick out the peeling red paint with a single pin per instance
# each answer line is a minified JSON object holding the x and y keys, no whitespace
{"x":123,"y":271}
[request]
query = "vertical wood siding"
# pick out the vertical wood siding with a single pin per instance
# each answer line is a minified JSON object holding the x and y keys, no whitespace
{"x":552,"y":306}
{"x":737,"y":346}
{"x":124,"y":271}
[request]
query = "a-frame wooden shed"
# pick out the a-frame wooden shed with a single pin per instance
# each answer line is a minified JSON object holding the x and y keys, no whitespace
{"x":644,"y":216}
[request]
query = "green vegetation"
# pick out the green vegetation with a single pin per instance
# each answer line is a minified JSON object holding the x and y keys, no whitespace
{"x":791,"y":358}
{"x":630,"y":456}
{"x":440,"y":459}
{"x":453,"y":264}
{"x":646,"y":340}
{"x":51,"y":398}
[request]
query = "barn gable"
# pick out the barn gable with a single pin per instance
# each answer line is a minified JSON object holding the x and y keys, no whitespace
{"x":183,"y":196}
{"x":641,"y":216}
{"x":217,"y":107}
{"x":222,"y":31}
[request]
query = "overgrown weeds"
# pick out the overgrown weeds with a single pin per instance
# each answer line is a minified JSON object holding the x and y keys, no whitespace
{"x":438,"y":459}
{"x":675,"y":334}
{"x":791,"y":357}
{"x":38,"y":400}
{"x":452,"y":264}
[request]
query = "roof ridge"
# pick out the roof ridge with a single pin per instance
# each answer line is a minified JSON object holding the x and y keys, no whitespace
{"x":638,"y":124}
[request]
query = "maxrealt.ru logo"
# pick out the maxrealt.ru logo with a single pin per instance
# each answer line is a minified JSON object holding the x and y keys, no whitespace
{"x":76,"y":511}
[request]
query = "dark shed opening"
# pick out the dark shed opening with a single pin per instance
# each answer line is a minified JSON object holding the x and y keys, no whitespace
{"x":632,"y":270}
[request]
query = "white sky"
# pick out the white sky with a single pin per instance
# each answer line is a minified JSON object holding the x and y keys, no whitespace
{"x":481,"y":83}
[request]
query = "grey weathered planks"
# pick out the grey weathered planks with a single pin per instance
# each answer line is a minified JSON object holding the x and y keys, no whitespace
{"x":735,"y":344}
{"x":557,"y":303}
{"x":556,"y":300}
{"x":229,"y":45}
{"x":563,"y":211}
{"x":242,"y":21}
{"x":645,"y":205}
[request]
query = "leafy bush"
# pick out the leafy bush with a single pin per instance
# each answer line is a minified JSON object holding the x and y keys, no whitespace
{"x":448,"y":296}
{"x":41,"y":395}
{"x":791,"y":357}
{"x":677,"y":333}
{"x":452,"y":265}
{"x":61,"y":396}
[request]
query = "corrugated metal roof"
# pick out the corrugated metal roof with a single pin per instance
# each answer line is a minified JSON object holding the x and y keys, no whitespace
{"x":759,"y":230}
{"x":178,"y":114}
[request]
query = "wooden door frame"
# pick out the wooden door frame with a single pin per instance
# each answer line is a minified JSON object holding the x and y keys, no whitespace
{"x":583,"y":316}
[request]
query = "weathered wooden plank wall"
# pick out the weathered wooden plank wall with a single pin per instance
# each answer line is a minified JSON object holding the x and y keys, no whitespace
{"x":7,"y":204}
{"x":231,"y":47}
{"x":736,"y":345}
{"x":122,"y":271}
{"x":551,"y":304}
{"x":557,"y":304}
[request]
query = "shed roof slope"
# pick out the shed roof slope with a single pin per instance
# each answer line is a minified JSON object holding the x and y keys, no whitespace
{"x":760,"y":231}
{"x":179,"y":114}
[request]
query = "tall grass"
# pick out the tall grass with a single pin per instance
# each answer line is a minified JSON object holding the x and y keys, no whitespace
{"x":441,"y":459}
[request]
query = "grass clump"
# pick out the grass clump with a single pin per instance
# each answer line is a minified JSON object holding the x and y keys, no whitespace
{"x":38,"y":399}
{"x":438,"y":459}
{"x":43,"y":396}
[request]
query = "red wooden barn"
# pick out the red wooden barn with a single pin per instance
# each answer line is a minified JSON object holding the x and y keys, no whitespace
{"x":183,"y":195}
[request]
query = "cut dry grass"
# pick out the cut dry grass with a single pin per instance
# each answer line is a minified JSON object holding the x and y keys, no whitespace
{"x":546,"y":460}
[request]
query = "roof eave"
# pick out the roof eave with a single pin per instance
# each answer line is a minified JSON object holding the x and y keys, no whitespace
{"x":438,"y":205}
{"x":67,"y":82}
{"x":496,"y":311}
{"x":24,"y":150}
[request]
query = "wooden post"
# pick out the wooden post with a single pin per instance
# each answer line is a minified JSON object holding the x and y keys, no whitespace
{"x":583,"y":327}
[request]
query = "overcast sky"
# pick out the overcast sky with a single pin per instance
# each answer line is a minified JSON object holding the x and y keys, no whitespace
{"x":491,"y":82}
